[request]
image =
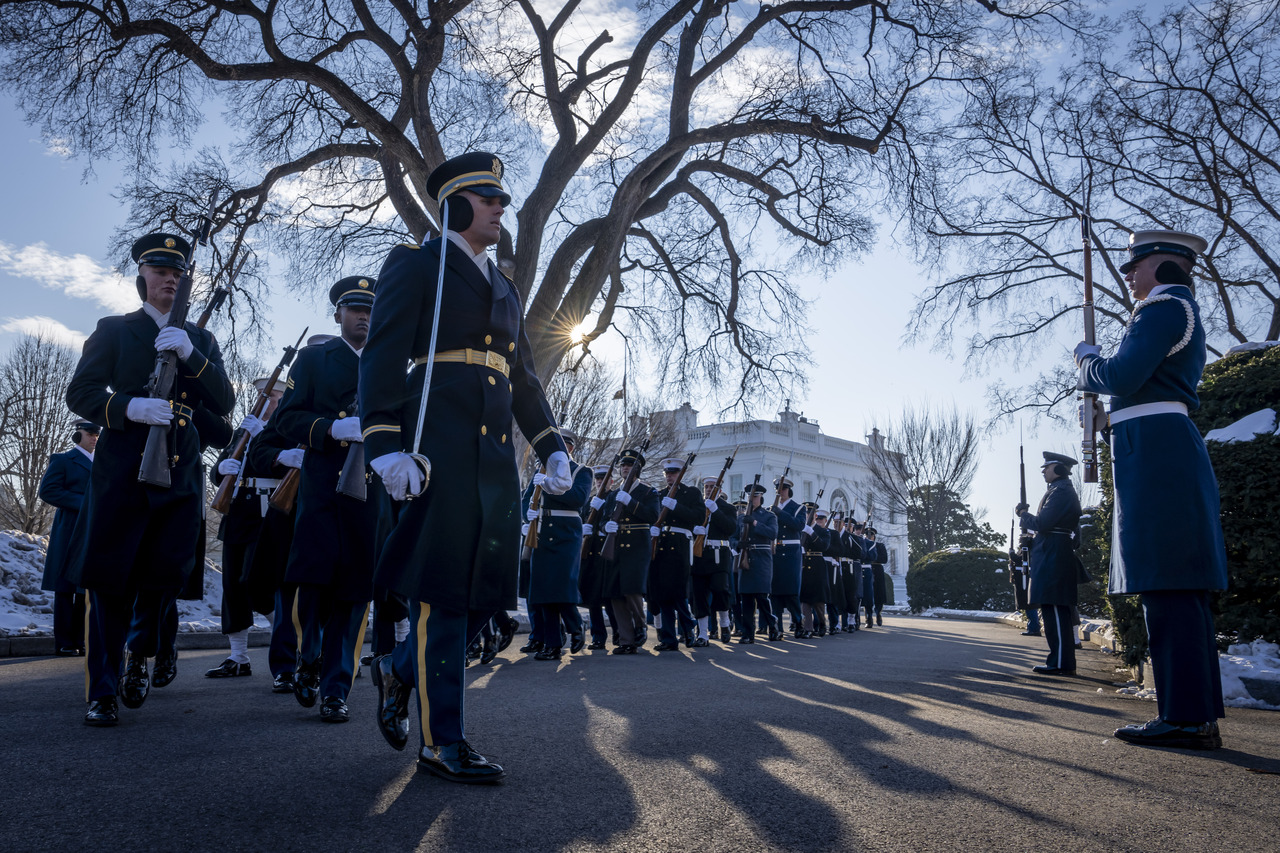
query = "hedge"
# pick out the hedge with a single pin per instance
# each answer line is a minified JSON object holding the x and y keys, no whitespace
{"x":963,"y":579}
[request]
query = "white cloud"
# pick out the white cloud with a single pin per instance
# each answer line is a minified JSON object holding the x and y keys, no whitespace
{"x":46,"y":327}
{"x":58,"y":146}
{"x":78,"y":276}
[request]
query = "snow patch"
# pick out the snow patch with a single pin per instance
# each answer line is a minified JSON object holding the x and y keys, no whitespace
{"x":1261,"y":422}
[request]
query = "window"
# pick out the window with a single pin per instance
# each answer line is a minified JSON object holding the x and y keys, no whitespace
{"x":893,"y":561}
{"x":735,"y":486}
{"x":808,"y":490}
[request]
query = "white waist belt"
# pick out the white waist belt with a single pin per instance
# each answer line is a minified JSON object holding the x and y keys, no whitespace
{"x":561,"y":513}
{"x":717,"y":543}
{"x":259,"y":483}
{"x":1143,"y":409}
{"x":788,"y":541}
{"x":679,"y":530}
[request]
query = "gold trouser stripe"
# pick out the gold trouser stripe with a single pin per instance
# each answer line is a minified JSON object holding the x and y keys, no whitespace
{"x":355,"y":663}
{"x":297,"y":629}
{"x":420,"y":661}
{"x":88,"y":611}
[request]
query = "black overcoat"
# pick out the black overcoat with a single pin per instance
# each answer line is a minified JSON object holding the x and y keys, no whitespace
{"x":721,"y":527}
{"x":554,"y":564}
{"x":815,"y":577}
{"x":63,"y":486}
{"x":628,"y":572}
{"x":269,"y":557}
{"x":669,"y":570}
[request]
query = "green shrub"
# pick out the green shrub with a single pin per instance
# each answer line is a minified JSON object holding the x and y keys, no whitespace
{"x":1237,"y":385}
{"x":970,"y":579}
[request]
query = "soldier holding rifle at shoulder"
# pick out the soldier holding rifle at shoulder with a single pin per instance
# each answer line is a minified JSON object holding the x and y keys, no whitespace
{"x":630,"y":509}
{"x":788,"y":559}
{"x":591,"y":576}
{"x":671,"y":547}
{"x":1054,"y":567}
{"x":714,"y":566}
{"x":757,"y":528}
{"x":814,"y":583}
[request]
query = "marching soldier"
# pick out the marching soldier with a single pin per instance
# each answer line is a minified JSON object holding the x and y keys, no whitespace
{"x":879,"y":555}
{"x":455,"y":548}
{"x":714,"y":566}
{"x":335,"y":535}
{"x":1055,"y":569}
{"x":847,"y":592}
{"x":137,"y":541}
{"x":1164,"y":482}
{"x":672,"y":561}
{"x":757,"y":528}
{"x":627,"y":575}
{"x":62,"y":487}
{"x":788,"y":561}
{"x":591,"y":577}
{"x":815,"y":585}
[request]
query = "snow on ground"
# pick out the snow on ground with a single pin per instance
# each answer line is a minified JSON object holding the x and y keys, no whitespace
{"x":1261,"y":422}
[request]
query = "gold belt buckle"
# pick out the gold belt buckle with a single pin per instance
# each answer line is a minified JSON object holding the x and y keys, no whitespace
{"x":495,"y":361}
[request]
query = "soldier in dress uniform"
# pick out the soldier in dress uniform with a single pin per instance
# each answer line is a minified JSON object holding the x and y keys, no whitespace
{"x":627,"y":575}
{"x":848,"y":596}
{"x":133,"y":540}
{"x":554,"y":564}
{"x":591,"y":576}
{"x":757,"y":529}
{"x":335,"y":535}
{"x":788,"y":560}
{"x":1164,"y":482}
{"x":673,"y":558}
{"x":878,"y":555}
{"x":713,"y":567}
{"x":62,"y":487}
{"x":454,"y":551}
{"x":1055,"y":568}
{"x":815,"y":585}
{"x":826,"y":618}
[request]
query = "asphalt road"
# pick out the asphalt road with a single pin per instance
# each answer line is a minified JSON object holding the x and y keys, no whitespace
{"x":921,"y":735}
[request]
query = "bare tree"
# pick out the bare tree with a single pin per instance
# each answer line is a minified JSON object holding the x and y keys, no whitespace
{"x":923,"y":467}
{"x":674,"y":169}
{"x":34,"y":424}
{"x":1166,"y":122}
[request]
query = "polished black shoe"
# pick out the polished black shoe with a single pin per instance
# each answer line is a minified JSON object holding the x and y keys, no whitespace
{"x":458,"y":762}
{"x":775,"y":636}
{"x":282,"y":683}
{"x":1031,"y":633}
{"x":393,"y":702}
{"x":334,"y":710}
{"x":868,"y":620}
{"x":507,"y":627}
{"x":549,"y":653}
{"x":667,"y":647}
{"x":748,"y":639}
{"x":1052,"y":670}
{"x":624,"y":650}
{"x":227,"y":669}
{"x":136,"y":684}
{"x":366,"y":660}
{"x":1158,"y":732}
{"x":102,"y":713}
{"x":577,"y":643}
{"x":164,"y":669}
{"x":69,"y":652}
{"x":879,"y":621}
{"x":596,"y":645}
{"x":642,"y":639}
{"x":725,"y":634}
{"x":531,"y":647}
{"x":489,"y":650}
{"x":474,"y":651}
{"x":700,"y":643}
{"x":306,"y":684}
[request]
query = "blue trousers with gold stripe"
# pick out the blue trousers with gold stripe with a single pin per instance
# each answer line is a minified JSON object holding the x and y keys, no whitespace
{"x":282,"y":654}
{"x":434,"y":660}
{"x":331,"y":629}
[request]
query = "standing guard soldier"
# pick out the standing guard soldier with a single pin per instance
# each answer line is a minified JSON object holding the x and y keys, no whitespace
{"x":1164,"y":482}
{"x":62,"y":487}
{"x":712,"y":569}
{"x":757,"y":528}
{"x":1055,"y":568}
{"x":134,"y":540}
{"x":455,"y":549}
{"x":848,"y":591}
{"x":814,"y":586}
{"x":591,"y":575}
{"x":627,"y":575}
{"x":788,"y":561}
{"x":878,"y":555}
{"x":335,"y":535}
{"x":673,"y":558}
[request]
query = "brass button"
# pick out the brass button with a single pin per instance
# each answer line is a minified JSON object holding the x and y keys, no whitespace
{"x":488,"y":339}
{"x":343,"y":443}
{"x":511,"y":347}
{"x":182,"y":421}
{"x":184,"y":395}
{"x":484,"y":430}
{"x":492,"y":381}
{"x":510,"y":387}
{"x":504,"y":438}
{"x":342,"y":414}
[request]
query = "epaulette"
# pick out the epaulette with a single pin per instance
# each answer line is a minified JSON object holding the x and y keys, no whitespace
{"x":410,"y":245}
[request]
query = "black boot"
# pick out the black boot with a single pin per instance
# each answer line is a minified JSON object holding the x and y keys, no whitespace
{"x":136,"y":684}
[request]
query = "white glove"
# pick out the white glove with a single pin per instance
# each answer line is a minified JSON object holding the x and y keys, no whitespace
{"x":611,"y":526}
{"x":711,"y":505}
{"x":175,"y":339}
{"x":699,"y":531}
{"x":539,"y":478}
{"x":669,"y":503}
{"x":1099,"y":414}
{"x":655,"y":532}
{"x":808,"y":530}
{"x":559,"y":478}
{"x":291,"y":458}
{"x":230,"y":467}
{"x":399,"y":473}
{"x":346,"y":429}
{"x":532,"y":514}
{"x":596,"y":503}
{"x":148,"y":410}
{"x":588,"y":530}
{"x":252,"y":425}
{"x":524,"y":530}
{"x":624,"y":497}
{"x":1084,"y":350}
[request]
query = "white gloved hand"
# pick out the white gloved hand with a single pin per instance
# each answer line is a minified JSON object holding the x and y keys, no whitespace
{"x":148,"y":410}
{"x":624,"y":497}
{"x":611,"y":526}
{"x":176,"y":340}
{"x":808,"y":530}
{"x":669,"y":503}
{"x":711,"y":505}
{"x":588,"y":530}
{"x":539,"y":478}
{"x":230,"y":467}
{"x":1084,"y":350}
{"x":252,"y":425}
{"x":597,"y":502}
{"x":699,"y":531}
{"x":346,"y":429}
{"x":524,"y":530}
{"x":1099,"y":414}
{"x":655,"y":532}
{"x":559,"y":478}
{"x":399,"y":473}
{"x":291,"y":458}
{"x":532,"y":514}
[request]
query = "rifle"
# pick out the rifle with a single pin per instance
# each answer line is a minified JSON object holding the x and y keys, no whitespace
{"x":671,"y":493}
{"x":1022,"y":476}
{"x":1088,"y":453}
{"x":535,"y":503}
{"x":222,"y":500}
{"x":286,"y":493}
{"x":594,"y":517}
{"x":215,"y":302}
{"x":744,"y":559}
{"x":157,"y":458}
{"x":804,"y":537}
{"x":611,"y":539}
{"x":773,"y":546}
{"x":352,"y":481}
{"x":701,"y":538}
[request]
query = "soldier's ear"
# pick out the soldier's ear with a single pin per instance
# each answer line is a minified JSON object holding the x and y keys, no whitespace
{"x":141,"y":284}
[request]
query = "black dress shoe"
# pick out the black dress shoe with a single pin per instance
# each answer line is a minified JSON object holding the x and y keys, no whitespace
{"x":393,"y":702}
{"x":596,"y":645}
{"x":366,"y":660}
{"x":164,"y":669}
{"x":306,"y":684}
{"x":577,"y":643}
{"x":1031,"y":633}
{"x":458,"y":762}
{"x":227,"y":669}
{"x":725,"y":634}
{"x":747,"y":640}
{"x":700,"y":643}
{"x":102,"y":712}
{"x":775,"y":636}
{"x":69,"y":652}
{"x":334,"y":710}
{"x":642,"y":639}
{"x":1159,"y":732}
{"x":136,"y":684}
{"x":879,"y":621}
{"x":1052,"y":670}
{"x":531,"y":647}
{"x":549,"y":653}
{"x":625,"y":650}
{"x":282,"y":683}
{"x":473,"y":651}
{"x":667,"y":647}
{"x":489,"y":652}
{"x":506,"y":631}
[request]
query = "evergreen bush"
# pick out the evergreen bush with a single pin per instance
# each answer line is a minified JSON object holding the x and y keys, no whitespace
{"x":961,"y":579}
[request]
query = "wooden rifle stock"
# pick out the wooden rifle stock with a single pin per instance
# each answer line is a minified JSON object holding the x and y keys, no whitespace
{"x":611,"y":539}
{"x":744,"y":559}
{"x":593,"y":517}
{"x":286,"y":494}
{"x":671,"y":493}
{"x":804,"y":537}
{"x":535,"y":503}
{"x":1088,"y":449}
{"x":351,"y":480}
{"x":700,"y":540}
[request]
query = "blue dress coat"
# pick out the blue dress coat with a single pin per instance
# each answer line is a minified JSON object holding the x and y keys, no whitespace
{"x":554,"y":564}
{"x":788,"y":560}
{"x":1055,"y":568}
{"x":63,"y":486}
{"x":757,"y":578}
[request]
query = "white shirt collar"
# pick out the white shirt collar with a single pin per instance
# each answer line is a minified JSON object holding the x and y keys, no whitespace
{"x":1160,"y":288}
{"x":85,"y":452}
{"x":154,"y":313}
{"x":481,"y":260}
{"x":353,"y":349}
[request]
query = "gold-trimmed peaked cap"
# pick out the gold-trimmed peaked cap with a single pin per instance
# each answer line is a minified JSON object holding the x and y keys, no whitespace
{"x":353,"y":290}
{"x":479,"y":171}
{"x":161,"y":250}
